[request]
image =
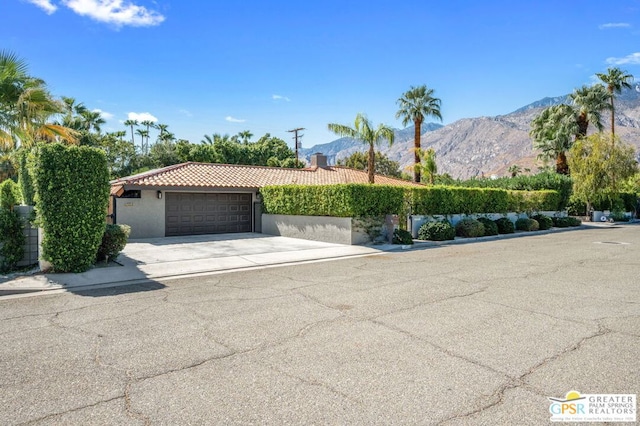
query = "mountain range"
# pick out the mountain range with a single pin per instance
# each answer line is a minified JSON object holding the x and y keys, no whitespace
{"x":485,"y":146}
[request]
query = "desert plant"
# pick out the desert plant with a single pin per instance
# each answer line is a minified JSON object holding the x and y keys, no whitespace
{"x":400,"y":236}
{"x":505,"y":226}
{"x":469,"y":228}
{"x":490,"y":227}
{"x":437,"y":231}
{"x":544,"y":221}
{"x":113,"y":241}
{"x":526,"y":224}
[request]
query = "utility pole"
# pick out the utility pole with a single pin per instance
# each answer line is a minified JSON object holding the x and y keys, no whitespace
{"x":297,"y":136}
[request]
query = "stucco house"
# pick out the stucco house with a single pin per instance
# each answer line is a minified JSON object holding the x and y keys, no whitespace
{"x":204,"y":198}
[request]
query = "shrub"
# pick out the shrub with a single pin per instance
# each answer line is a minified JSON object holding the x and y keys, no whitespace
{"x":113,"y":241}
{"x":455,"y":200}
{"x":505,"y":226}
{"x":490,"y":227}
{"x":400,"y":236}
{"x":545,"y":222}
{"x":72,"y":193}
{"x":574,"y":221}
{"x":9,"y":194}
{"x":526,"y":201}
{"x":24,"y":177}
{"x":470,"y":228}
{"x":350,"y":200}
{"x":525,"y":224}
{"x":11,"y":239}
{"x":437,"y":231}
{"x":561,"y":222}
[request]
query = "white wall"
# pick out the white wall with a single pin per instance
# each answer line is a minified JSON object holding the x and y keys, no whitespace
{"x":317,"y":228}
{"x":145,"y":215}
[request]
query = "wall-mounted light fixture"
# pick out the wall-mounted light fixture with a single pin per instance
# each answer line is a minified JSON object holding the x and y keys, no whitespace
{"x":159,"y":195}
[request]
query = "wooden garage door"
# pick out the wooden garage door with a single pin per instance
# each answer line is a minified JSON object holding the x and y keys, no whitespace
{"x":199,"y":213}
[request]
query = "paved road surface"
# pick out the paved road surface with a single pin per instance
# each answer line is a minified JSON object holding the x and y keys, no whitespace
{"x":476,"y":333}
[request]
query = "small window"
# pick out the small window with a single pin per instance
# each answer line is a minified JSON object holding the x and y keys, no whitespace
{"x":132,"y":193}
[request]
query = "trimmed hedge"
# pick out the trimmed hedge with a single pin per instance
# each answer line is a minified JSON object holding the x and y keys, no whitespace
{"x":344,"y":200}
{"x":443,"y":200}
{"x":505,"y":226}
{"x":469,"y":228}
{"x":12,"y":239}
{"x":525,"y":224}
{"x":490,"y":227}
{"x":545,"y":221}
{"x":72,"y":193}
{"x":437,"y":231}
{"x":113,"y":241}
{"x":528,"y":201}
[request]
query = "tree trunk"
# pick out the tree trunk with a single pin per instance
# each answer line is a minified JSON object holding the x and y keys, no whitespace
{"x":613,"y":130}
{"x":561,"y":164}
{"x":583,"y":125}
{"x":371,"y":165}
{"x":417,"y":124}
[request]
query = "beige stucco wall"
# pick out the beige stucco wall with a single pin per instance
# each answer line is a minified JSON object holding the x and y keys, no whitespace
{"x":145,"y":215}
{"x":338,"y":230}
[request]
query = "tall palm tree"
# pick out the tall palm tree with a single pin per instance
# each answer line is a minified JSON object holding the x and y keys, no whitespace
{"x":590,"y":102}
{"x":92,"y":120}
{"x":131,"y":123}
{"x":615,"y":80}
{"x":363,"y":131}
{"x":143,"y":134}
{"x":415,"y":105}
{"x":552,"y":132}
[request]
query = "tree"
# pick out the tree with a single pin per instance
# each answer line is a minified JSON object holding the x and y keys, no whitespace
{"x":363,"y":131}
{"x":131,"y":123}
{"x":143,"y":134}
{"x":590,"y":102}
{"x":552,"y":132}
{"x":415,"y":105}
{"x":26,"y":106}
{"x":515,"y":170}
{"x":245,"y":135}
{"x":384,"y":165}
{"x":427,"y":165}
{"x":596,"y":164}
{"x":615,"y":80}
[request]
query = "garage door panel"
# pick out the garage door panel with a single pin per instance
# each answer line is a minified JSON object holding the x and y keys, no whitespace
{"x":206,"y":213}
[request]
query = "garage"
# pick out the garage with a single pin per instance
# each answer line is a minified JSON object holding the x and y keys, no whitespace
{"x":188,"y":213}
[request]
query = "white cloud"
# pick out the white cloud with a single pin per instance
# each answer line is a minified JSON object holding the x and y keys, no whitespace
{"x":279,"y":97}
{"x":614,"y":25}
{"x":141,"y":116}
{"x":632,"y":59}
{"x":45,"y":5}
{"x":116,"y":12}
{"x":104,"y":114}
{"x":185,"y":112}
{"x":234,"y":120}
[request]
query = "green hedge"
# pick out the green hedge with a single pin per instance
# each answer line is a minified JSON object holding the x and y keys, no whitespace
{"x":351,"y":200}
{"x":12,"y":239}
{"x":72,"y":192}
{"x":528,"y":201}
{"x":9,"y":194}
{"x":375,"y":200}
{"x":445,"y":200}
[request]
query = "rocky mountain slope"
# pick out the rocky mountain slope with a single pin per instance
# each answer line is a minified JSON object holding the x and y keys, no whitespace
{"x":485,"y":146}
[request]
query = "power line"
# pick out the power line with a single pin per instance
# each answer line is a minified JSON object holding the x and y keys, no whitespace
{"x":297,"y":136}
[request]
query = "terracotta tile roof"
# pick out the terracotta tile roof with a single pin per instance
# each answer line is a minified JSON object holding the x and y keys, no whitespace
{"x":207,"y":175}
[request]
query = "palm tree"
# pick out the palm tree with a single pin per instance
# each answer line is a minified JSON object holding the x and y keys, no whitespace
{"x":428,"y":164}
{"x":131,"y":123}
{"x":415,"y":105}
{"x":143,"y":134}
{"x":162,"y":128}
{"x":552,"y":132}
{"x":26,"y":107}
{"x":616,"y":80}
{"x":245,"y":135}
{"x":363,"y":131}
{"x":590,"y":101}
{"x":92,"y":120}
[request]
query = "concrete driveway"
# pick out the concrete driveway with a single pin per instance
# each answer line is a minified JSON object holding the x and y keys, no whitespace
{"x":466,"y":334}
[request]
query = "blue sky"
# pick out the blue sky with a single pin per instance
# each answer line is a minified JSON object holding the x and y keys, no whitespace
{"x":206,"y":67}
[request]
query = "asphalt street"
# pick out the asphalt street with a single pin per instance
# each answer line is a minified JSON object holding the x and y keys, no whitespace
{"x":467,"y":334}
